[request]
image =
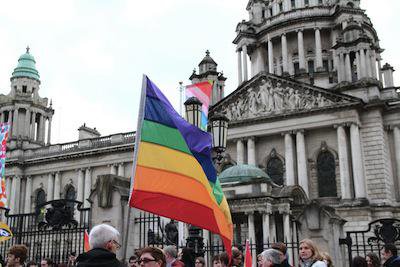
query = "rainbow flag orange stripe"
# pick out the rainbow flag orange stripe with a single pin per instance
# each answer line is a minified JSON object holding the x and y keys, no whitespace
{"x":174,"y":175}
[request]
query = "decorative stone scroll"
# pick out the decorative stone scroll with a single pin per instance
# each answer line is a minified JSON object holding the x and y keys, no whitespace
{"x":272,"y":97}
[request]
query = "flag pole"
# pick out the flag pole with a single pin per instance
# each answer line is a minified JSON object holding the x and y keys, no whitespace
{"x":180,"y":98}
{"x":135,"y":153}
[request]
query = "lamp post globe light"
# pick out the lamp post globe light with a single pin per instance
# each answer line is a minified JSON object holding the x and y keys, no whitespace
{"x":193,"y":111}
{"x":219,"y":130}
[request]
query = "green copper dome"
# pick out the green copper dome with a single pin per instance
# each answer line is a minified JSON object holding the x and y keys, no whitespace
{"x":242,"y":173}
{"x":26,"y":67}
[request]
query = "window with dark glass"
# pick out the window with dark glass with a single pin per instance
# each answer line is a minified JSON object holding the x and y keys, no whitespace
{"x":293,"y":4}
{"x":275,"y":170}
{"x":40,"y":199}
{"x":310,"y":66}
{"x":280,"y":7}
{"x":296,"y":68}
{"x":306,"y":2}
{"x":326,"y":174}
{"x":24,"y":88}
{"x":70,"y":194}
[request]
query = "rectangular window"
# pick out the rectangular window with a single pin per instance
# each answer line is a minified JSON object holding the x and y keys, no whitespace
{"x":24,"y":89}
{"x":293,"y":4}
{"x":306,"y":2}
{"x":270,"y":12}
{"x":325,"y":65}
{"x":320,"y":2}
{"x":280,"y":7}
{"x":296,"y":68}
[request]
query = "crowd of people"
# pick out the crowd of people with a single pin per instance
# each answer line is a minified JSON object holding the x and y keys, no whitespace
{"x":104,"y":243}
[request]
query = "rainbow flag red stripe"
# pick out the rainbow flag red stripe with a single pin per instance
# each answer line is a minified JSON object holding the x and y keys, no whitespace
{"x":173,"y":171}
{"x":4,"y":128}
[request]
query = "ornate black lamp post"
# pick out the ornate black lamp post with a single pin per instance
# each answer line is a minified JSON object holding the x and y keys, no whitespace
{"x":219,"y":130}
{"x":193,"y":111}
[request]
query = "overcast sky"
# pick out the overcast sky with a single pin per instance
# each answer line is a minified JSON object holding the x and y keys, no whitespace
{"x":91,"y":54}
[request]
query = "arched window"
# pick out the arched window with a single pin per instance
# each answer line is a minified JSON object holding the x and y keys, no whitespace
{"x":70,"y":194}
{"x":326,"y":174}
{"x":40,"y":198}
{"x":275,"y":168}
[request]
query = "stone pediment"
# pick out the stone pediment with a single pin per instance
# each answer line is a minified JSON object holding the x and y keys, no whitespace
{"x":267,"y":95}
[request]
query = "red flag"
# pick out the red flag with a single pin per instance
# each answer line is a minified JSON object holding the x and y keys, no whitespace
{"x":247,"y":257}
{"x":86,"y":246}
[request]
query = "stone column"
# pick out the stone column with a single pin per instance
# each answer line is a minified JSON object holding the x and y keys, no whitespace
{"x":240,"y":73}
{"x":15,"y":130}
{"x":380,"y":68}
{"x":27,"y":123}
{"x":302,"y":161}
{"x":10,"y":122}
{"x":272,"y":232}
{"x":8,"y":189}
{"x":240,"y":152}
{"x":113,"y":169}
{"x":81,"y":186}
{"x":358,"y":63}
{"x":49,"y":132}
{"x":286,"y":227}
{"x":300,"y":45}
{"x":396,"y":136}
{"x":337,"y":66}
{"x":50,"y":186}
{"x":270,"y":57}
{"x":373,"y":64}
{"x":251,"y":151}
{"x":15,"y":194}
{"x":88,"y":187}
{"x":358,"y":168}
{"x":42,"y":127}
{"x":28,"y":194}
{"x":348,"y":68}
{"x":318,"y":50}
{"x":2,"y":117}
{"x":284,"y":54}
{"x":289,"y":159}
{"x":368,"y":63}
{"x":363,"y":62}
{"x":57,"y":185}
{"x":252,"y":233}
{"x":121,"y":171}
{"x":345,"y":183}
{"x":245,"y":71}
{"x":33,"y":125}
{"x":265,"y":226}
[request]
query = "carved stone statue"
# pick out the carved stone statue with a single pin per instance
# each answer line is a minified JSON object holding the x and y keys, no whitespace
{"x":171,"y":232}
{"x":278,"y":97}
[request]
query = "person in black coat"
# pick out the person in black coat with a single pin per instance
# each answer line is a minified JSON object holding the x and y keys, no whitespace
{"x":389,"y":256}
{"x":103,"y":240}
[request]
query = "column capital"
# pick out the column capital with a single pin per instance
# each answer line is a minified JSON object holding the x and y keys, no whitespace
{"x":287,"y":132}
{"x":391,"y":127}
{"x":299,"y":30}
{"x":342,"y":124}
{"x":299,"y":131}
{"x":251,"y":138}
{"x":249,"y":212}
{"x":283,"y":34}
{"x":317,"y":28}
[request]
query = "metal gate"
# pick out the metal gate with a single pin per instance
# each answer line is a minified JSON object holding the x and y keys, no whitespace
{"x":54,"y":230}
{"x":378,"y":233}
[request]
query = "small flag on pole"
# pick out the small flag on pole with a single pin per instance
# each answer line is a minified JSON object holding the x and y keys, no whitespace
{"x":202,"y":91}
{"x":86,"y":246}
{"x":5,"y":232}
{"x":4,"y":127}
{"x":248,"y":262}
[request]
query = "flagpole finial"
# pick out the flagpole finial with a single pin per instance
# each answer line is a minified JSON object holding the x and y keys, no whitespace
{"x":207,"y":53}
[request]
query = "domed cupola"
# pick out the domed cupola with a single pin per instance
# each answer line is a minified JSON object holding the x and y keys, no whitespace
{"x":26,"y":67}
{"x":243,"y":173}
{"x":207,"y":64}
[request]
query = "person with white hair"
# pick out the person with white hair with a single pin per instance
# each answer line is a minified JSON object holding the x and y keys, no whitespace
{"x":103,"y":241}
{"x":270,"y":258}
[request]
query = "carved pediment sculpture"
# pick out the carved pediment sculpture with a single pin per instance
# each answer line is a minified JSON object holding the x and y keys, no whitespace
{"x":270,"y":97}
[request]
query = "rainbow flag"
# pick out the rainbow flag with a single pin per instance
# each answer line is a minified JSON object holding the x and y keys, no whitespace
{"x":4,"y":127}
{"x":173,"y":171}
{"x":202,"y":91}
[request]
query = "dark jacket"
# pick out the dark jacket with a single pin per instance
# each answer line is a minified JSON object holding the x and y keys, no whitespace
{"x":98,"y":257}
{"x":392,"y":262}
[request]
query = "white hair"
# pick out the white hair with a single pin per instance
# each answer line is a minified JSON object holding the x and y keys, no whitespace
{"x":271,"y":255}
{"x":101,"y":234}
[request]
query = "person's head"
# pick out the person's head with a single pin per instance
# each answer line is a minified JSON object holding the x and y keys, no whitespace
{"x":259,"y":260}
{"x":224,"y":258}
{"x":359,"y":261}
{"x":31,"y":264}
{"x":152,"y":257}
{"x":216,"y":261}
{"x":132,"y":262}
{"x":170,"y":253}
{"x":237,"y":257}
{"x":372,"y":260}
{"x":308,"y":250}
{"x":327,"y":259}
{"x":281,"y":247}
{"x":104,"y":236}
{"x":16,"y":255}
{"x":46,"y":263}
{"x":199,"y":262}
{"x":270,"y":257}
{"x":388,"y":250}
